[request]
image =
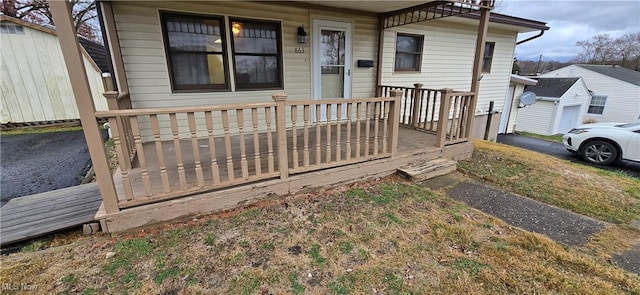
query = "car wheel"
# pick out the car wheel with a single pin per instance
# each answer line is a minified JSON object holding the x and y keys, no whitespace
{"x":600,"y":152}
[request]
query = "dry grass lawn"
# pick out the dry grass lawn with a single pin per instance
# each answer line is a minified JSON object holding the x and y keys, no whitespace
{"x":378,"y":237}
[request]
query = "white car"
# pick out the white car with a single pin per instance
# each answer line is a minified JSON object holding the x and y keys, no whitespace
{"x":605,"y":143}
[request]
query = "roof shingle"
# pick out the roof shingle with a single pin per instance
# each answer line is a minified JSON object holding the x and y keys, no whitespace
{"x":552,"y":87}
{"x":616,"y":72}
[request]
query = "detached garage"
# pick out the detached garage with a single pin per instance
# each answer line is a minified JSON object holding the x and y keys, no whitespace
{"x":560,"y":105}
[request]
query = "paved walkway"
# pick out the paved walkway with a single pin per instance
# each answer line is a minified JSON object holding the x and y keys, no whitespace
{"x":558,"y":224}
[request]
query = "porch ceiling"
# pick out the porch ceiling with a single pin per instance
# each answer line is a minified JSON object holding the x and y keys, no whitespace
{"x":370,"y":6}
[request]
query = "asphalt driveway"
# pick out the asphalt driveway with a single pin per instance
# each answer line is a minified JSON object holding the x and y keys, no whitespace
{"x":41,"y":162}
{"x":557,"y":150}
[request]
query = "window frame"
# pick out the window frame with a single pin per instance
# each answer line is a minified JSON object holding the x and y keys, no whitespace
{"x":419,"y":54}
{"x":195,"y":87}
{"x":486,"y":67}
{"x":6,"y":29}
{"x":604,"y":104}
{"x":279,"y":55}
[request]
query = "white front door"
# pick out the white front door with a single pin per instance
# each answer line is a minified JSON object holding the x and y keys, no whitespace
{"x":331,"y":63}
{"x":506,"y":111}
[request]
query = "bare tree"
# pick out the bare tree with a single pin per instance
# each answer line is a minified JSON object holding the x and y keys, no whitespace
{"x":37,"y":11}
{"x":603,"y":49}
{"x":628,"y":48}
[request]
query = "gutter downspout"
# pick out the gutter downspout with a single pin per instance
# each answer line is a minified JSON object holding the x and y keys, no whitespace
{"x":531,"y":38}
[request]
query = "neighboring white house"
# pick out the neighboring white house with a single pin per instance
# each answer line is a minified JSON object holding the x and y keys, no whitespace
{"x":560,"y":106}
{"x":615,"y":91}
{"x":35,"y":85}
{"x":512,"y":102}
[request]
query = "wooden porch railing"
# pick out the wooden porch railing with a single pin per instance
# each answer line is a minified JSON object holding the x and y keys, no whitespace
{"x":122,"y":101}
{"x":422,"y":108}
{"x":187,"y":150}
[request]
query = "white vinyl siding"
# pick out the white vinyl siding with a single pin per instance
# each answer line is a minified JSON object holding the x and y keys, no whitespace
{"x":447,"y":62}
{"x":35,"y":85}
{"x":515,"y":111}
{"x":544,"y":117}
{"x":140,"y":37}
{"x":623,"y":99}
{"x":536,"y":118}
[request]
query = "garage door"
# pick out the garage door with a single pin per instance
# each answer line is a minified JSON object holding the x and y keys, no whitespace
{"x":569,"y":118}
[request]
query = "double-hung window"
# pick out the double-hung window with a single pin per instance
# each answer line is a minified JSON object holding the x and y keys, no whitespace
{"x":596,"y":106}
{"x":408,"y":52}
{"x":256,"y":54}
{"x":487,"y":59}
{"x":198,"y":52}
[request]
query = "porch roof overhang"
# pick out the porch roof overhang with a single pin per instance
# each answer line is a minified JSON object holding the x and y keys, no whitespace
{"x":399,"y":13}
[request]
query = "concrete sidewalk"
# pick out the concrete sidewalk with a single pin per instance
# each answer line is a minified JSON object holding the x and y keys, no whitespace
{"x":558,"y":224}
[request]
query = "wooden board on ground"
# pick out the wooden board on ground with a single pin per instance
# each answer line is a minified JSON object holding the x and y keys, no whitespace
{"x":422,"y":170}
{"x":35,"y":215}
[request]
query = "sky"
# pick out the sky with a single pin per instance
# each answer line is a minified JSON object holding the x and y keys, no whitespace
{"x":570,"y":21}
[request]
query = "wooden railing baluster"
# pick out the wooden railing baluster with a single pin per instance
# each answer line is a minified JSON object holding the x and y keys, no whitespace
{"x":376,"y":119}
{"x":176,"y":145}
{"x":328,"y":127}
{"x":294,"y":136}
{"x":244,"y":166}
{"x":215,"y":171}
{"x":164,"y":176}
{"x":367,"y":127}
{"x":338,"y":127}
{"x":385,"y":120}
{"x":307,"y":115}
{"x":454,"y":119}
{"x":191,"y":118}
{"x":256,"y":142}
{"x":318,"y":135}
{"x":227,"y":145}
{"x":358,"y":127}
{"x":349,"y":110}
{"x":270,"y":160}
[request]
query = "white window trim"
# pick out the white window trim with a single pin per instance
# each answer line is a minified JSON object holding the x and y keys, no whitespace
{"x":604,"y":106}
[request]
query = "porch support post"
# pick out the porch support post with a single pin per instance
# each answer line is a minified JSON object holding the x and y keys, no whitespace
{"x":378,"y":90}
{"x":443,"y":117}
{"x":415,"y":117}
{"x":477,"y":62}
{"x":281,"y":133}
{"x":61,"y":12}
{"x":114,"y":46}
{"x":394,"y":120}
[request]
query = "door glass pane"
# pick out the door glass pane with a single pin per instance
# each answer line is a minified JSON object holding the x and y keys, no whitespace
{"x":332,"y":84}
{"x":332,"y":47}
{"x":332,"y":53}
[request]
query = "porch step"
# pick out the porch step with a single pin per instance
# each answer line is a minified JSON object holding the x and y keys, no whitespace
{"x":423,"y":170}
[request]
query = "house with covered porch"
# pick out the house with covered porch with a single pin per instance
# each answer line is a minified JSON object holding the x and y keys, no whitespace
{"x":217,"y":104}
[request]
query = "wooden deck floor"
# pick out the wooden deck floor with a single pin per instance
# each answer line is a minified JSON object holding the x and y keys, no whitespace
{"x":35,"y":215}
